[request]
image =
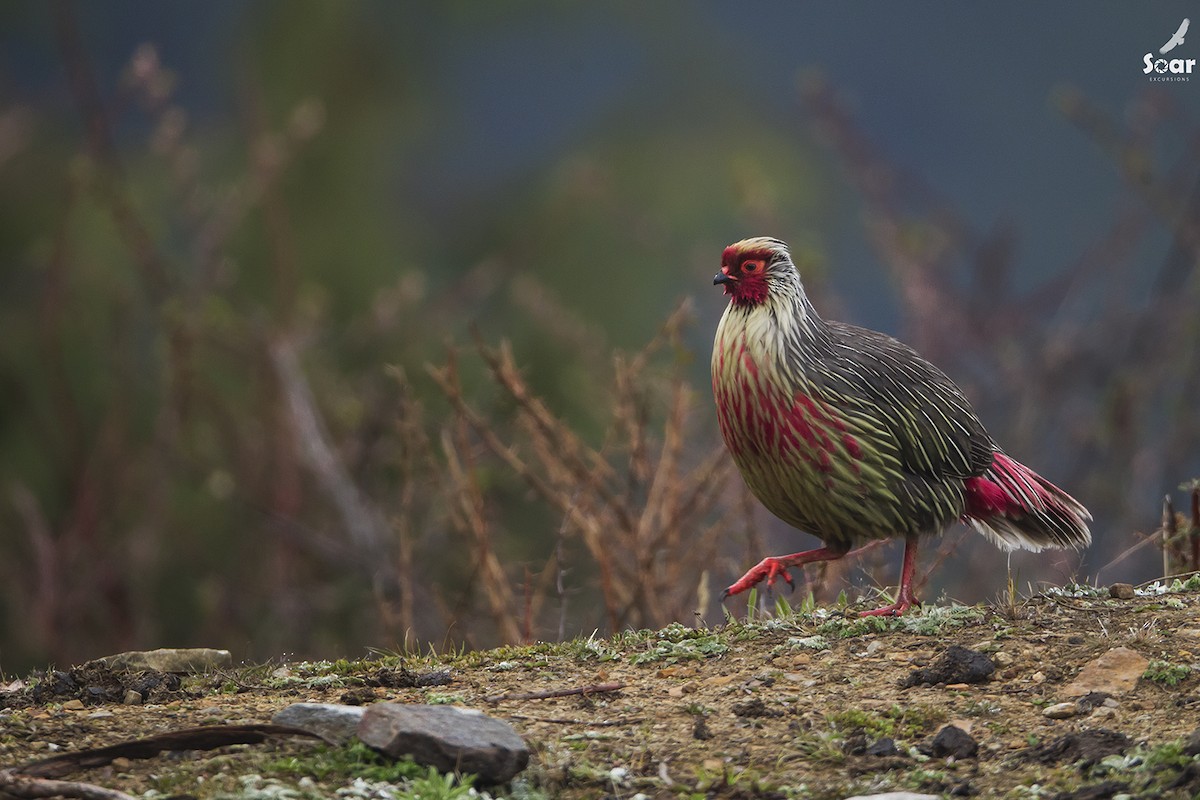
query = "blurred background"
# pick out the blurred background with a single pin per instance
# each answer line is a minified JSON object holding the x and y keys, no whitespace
{"x":336,"y":326}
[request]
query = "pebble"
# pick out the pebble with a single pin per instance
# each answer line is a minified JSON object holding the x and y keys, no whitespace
{"x":953,"y":742}
{"x":73,"y":705}
{"x":1061,"y":711}
{"x":132,"y":698}
{"x":1121,"y":591}
{"x":1002,"y":659}
{"x":884,"y":748}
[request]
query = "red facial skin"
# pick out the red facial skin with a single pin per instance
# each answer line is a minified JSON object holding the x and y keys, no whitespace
{"x":743,"y":274}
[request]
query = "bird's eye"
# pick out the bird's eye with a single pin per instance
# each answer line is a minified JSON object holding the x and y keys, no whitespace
{"x":751,"y":266}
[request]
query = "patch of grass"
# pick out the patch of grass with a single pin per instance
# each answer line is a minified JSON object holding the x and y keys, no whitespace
{"x":898,"y":722}
{"x":354,"y":760}
{"x":821,"y":747}
{"x":816,"y":642}
{"x":982,"y":708}
{"x":936,"y":620}
{"x":677,"y":642}
{"x":1166,"y":673}
{"x":436,"y":786}
{"x":849,"y":628}
{"x":444,"y":699}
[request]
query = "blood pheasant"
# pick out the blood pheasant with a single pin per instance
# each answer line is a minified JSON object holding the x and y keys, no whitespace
{"x":850,"y":435}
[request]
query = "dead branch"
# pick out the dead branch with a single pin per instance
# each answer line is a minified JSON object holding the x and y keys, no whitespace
{"x":14,"y":785}
{"x":207,"y":737}
{"x":598,"y":688}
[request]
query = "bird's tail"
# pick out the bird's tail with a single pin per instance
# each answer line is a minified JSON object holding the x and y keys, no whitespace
{"x":1014,"y":507}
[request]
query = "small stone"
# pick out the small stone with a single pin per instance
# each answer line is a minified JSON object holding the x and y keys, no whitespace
{"x":1092,"y":699}
{"x":1002,"y":659}
{"x":446,"y":737}
{"x":167,"y":659}
{"x":1114,"y":672}
{"x":884,"y":748}
{"x":359,"y":696}
{"x":334,"y":723}
{"x":953,"y":742}
{"x":73,"y":705}
{"x":956,"y":665}
{"x":1102,"y":713}
{"x":132,"y":698}
{"x":1061,"y":711}
{"x":1121,"y":591}
{"x":1038,"y":677}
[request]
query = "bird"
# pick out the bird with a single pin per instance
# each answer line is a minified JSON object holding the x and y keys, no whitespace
{"x":1176,"y":39}
{"x":848,"y":434}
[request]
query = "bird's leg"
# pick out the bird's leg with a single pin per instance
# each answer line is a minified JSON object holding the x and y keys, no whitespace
{"x":905,"y":599}
{"x":774,"y":567}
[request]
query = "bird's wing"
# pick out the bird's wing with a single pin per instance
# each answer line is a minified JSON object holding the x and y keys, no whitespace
{"x":886,"y":389}
{"x":1177,"y":38}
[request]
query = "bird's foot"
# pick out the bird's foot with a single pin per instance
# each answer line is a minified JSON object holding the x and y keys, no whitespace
{"x":903,"y":603}
{"x":769,"y":568}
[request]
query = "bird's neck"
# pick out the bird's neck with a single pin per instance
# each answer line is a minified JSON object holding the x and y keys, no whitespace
{"x":784,"y":334}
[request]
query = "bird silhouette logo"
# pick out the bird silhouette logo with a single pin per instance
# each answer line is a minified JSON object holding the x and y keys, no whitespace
{"x":1177,"y":39}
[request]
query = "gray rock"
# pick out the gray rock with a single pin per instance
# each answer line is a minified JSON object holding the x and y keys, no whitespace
{"x":336,"y":724}
{"x":446,"y":737}
{"x":132,"y":698}
{"x":168,"y":659}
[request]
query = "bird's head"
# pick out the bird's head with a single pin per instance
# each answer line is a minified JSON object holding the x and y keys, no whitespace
{"x":754,"y":269}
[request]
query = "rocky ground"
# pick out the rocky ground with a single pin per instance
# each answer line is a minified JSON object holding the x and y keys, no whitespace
{"x":1072,"y":694}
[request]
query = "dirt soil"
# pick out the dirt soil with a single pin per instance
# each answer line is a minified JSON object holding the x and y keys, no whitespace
{"x":809,"y":705}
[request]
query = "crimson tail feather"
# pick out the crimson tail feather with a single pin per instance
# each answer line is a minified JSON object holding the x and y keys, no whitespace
{"x":1014,"y":507}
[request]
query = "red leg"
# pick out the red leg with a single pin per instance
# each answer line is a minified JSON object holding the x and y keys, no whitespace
{"x":777,"y":566}
{"x":905,"y":599}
